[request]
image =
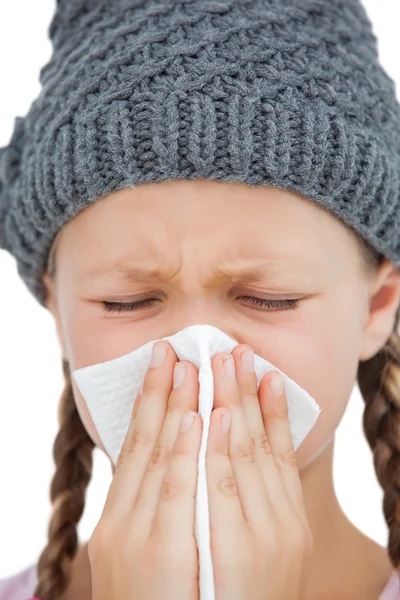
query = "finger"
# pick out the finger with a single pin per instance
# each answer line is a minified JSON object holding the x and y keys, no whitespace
{"x":247,"y":383}
{"x":132,"y":422}
{"x":182,"y":398}
{"x":114,"y":488}
{"x":175,"y":513}
{"x":143,"y":432}
{"x":275,"y":413}
{"x":227,"y":521}
{"x":252,"y":492}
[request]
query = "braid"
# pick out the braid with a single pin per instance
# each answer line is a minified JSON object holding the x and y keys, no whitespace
{"x":379,"y":383}
{"x":73,"y":456}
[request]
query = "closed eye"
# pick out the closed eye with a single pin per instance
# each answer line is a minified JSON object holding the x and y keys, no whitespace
{"x":260,"y":302}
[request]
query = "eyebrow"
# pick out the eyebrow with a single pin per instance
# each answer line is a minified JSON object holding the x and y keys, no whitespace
{"x":239,"y":275}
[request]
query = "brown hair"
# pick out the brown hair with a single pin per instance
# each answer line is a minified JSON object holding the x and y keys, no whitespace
{"x":379,"y":382}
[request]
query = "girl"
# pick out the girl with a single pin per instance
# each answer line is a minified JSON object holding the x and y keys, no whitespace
{"x":233,"y":163}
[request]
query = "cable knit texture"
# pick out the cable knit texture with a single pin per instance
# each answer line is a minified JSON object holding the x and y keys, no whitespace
{"x":265,"y":92}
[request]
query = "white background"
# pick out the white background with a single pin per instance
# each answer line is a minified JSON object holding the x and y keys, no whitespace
{"x":30,"y":362}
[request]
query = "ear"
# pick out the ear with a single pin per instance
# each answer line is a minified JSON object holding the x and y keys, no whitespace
{"x":384,"y":302}
{"x":52,"y":306}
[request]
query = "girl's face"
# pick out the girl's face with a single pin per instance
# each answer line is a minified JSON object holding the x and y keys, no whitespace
{"x":199,"y":235}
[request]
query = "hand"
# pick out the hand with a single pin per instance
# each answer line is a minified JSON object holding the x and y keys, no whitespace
{"x":144,"y":547}
{"x":261,"y":542}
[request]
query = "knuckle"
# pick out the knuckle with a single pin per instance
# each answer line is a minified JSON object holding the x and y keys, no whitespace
{"x":109,"y":534}
{"x":151,"y":385}
{"x":138,"y":439}
{"x":159,"y":458}
{"x":244,"y":452}
{"x":288,"y":459}
{"x":277,"y":416}
{"x":170,"y":489}
{"x":227,"y":486}
{"x":299,"y":537}
{"x":249,"y":394}
{"x":261,"y":444}
{"x":174,"y":410}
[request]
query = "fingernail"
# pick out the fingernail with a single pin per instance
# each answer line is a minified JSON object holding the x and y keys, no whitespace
{"x":225,"y":422}
{"x":247,"y":360}
{"x":276,"y":384}
{"x":187,"y":421}
{"x":158,"y":354}
{"x":179,"y":374}
{"x":229,"y":366}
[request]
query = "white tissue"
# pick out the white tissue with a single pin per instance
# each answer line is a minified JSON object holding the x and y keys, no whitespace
{"x":110,"y":389}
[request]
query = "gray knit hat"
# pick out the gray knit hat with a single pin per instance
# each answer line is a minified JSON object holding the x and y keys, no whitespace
{"x":281,"y":93}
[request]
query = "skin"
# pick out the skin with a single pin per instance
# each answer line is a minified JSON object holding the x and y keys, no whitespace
{"x":188,"y":229}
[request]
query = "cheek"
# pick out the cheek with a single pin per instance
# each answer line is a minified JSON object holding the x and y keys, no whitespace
{"x":85,"y":417}
{"x":325,"y":367}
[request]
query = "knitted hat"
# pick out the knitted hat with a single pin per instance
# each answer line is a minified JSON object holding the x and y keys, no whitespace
{"x":281,"y":93}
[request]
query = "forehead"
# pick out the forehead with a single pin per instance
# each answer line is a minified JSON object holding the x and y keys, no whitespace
{"x":234,"y":221}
